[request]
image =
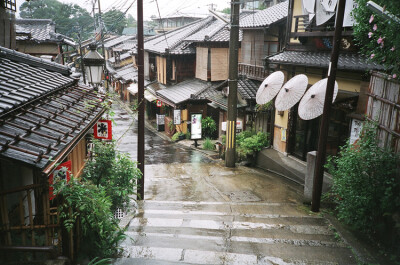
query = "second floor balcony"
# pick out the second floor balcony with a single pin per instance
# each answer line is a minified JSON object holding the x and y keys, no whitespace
{"x":305,"y":28}
{"x":255,"y":72}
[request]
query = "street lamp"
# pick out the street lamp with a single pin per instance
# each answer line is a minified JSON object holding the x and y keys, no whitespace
{"x":93,"y":63}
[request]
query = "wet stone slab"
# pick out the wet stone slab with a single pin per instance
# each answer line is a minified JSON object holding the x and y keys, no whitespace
{"x":242,"y":196}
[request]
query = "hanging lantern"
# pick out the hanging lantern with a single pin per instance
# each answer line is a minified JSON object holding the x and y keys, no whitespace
{"x":93,"y":63}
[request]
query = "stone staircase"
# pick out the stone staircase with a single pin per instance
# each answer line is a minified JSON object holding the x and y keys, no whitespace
{"x":185,"y":232}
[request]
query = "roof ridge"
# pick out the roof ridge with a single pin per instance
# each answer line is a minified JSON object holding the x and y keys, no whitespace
{"x":33,"y":61}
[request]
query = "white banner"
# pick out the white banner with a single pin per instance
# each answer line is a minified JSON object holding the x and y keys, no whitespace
{"x":348,"y":20}
{"x":177,"y":116}
{"x":160,"y":119}
{"x":195,"y":132}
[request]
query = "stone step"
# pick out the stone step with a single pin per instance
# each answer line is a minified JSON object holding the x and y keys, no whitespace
{"x":167,"y":255}
{"x":184,"y":232}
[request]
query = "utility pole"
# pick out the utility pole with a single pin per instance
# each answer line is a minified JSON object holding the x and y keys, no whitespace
{"x":230,"y":156}
{"x":80,"y":50}
{"x":102,"y":43}
{"x":140,"y":146}
{"x":323,"y":135}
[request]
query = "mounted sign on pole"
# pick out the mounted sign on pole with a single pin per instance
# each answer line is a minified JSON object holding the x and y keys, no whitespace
{"x":103,"y":130}
{"x":177,"y":116}
{"x":195,"y":130}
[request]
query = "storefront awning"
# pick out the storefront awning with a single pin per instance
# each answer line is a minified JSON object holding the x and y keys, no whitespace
{"x":133,"y":88}
{"x":148,"y":96}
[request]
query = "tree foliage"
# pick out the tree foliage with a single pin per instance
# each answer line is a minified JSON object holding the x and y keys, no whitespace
{"x":377,"y":36}
{"x":208,"y":126}
{"x":366,"y":186}
{"x":115,"y":21}
{"x":69,"y":18}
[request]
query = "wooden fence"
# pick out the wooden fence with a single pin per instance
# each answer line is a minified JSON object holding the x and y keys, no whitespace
{"x":384,"y":107}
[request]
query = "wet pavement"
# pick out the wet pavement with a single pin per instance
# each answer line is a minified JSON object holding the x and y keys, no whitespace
{"x":196,"y":211}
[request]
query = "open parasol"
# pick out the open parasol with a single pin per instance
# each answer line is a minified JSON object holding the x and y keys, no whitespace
{"x":270,"y":87}
{"x":312,"y":104}
{"x":291,"y":92}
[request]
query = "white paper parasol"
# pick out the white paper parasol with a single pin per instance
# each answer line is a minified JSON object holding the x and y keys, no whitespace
{"x":312,"y":104}
{"x":270,"y":87}
{"x":291,"y":92}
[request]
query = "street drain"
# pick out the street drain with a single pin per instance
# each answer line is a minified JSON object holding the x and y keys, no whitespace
{"x":242,"y":196}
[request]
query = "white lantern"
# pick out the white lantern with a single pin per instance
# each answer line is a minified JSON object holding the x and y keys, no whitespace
{"x":93,"y":63}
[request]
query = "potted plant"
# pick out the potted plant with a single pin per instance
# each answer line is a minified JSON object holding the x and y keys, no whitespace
{"x":250,"y":143}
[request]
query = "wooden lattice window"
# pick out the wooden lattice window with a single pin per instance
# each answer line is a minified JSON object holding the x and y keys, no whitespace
{"x":8,"y":4}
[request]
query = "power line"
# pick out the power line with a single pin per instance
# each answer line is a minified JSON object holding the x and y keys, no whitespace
{"x":162,"y":24}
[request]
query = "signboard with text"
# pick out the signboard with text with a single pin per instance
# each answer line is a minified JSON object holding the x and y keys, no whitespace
{"x":195,"y":132}
{"x":103,"y":130}
{"x":177,"y":116}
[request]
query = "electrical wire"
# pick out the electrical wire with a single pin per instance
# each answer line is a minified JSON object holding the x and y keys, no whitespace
{"x":162,"y":24}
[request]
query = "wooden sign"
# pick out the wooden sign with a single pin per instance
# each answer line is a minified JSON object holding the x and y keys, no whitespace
{"x":103,"y":130}
{"x":63,"y":171}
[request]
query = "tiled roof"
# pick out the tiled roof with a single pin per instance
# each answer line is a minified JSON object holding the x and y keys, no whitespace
{"x":122,"y":57}
{"x":118,"y":40}
{"x":222,"y":101}
{"x":43,"y":130}
{"x":248,"y":88}
{"x":173,"y":41}
{"x":215,"y":31}
{"x":350,"y":61}
{"x":182,"y":91}
{"x":42,"y":112}
{"x":39,"y":29}
{"x":127,"y":73}
{"x":266,"y":17}
{"x":24,"y":78}
{"x":127,"y":45}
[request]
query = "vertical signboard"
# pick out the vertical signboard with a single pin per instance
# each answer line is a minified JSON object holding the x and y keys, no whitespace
{"x":195,"y":132}
{"x":177,"y":116}
{"x":103,"y":130}
{"x":160,"y":122}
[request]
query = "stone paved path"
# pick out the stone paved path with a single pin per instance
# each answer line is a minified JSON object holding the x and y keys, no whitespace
{"x":196,"y":211}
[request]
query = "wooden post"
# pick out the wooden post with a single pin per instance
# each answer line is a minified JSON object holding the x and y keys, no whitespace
{"x":323,"y":135}
{"x":30,"y":215}
{"x":230,"y":157}
{"x":140,"y":146}
{"x":22,"y":219}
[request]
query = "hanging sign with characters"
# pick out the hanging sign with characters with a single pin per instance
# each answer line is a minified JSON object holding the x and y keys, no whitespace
{"x":63,"y":171}
{"x":159,"y":103}
{"x":103,"y":130}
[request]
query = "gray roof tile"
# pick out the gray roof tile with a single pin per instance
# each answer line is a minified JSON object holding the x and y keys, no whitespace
{"x":118,"y":40}
{"x":174,"y":40}
{"x":127,"y":73}
{"x":350,"y":61}
{"x":215,"y":31}
{"x":266,"y":17}
{"x":39,"y":29}
{"x":184,"y":90}
{"x":24,"y":78}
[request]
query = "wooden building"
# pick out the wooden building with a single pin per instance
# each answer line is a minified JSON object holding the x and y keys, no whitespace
{"x":44,"y":121}
{"x":307,"y":51}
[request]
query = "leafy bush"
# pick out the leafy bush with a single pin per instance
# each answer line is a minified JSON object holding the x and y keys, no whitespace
{"x":208,"y":127}
{"x":176,"y":136}
{"x":113,"y":170}
{"x":378,"y":36}
{"x":208,"y":144}
{"x":91,"y":205}
{"x":188,"y":135}
{"x":249,"y":142}
{"x":366,"y":185}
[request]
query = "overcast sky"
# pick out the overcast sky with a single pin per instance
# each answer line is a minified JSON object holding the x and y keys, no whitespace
{"x":167,"y":7}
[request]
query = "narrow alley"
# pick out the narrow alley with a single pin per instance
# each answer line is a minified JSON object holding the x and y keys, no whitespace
{"x":196,"y":211}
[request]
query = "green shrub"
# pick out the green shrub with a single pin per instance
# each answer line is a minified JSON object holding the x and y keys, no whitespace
{"x":366,"y":185}
{"x":208,"y":127}
{"x":176,"y":136}
{"x":113,"y":170}
{"x":223,"y":139}
{"x":249,"y":142}
{"x":208,"y":144}
{"x":188,"y":135}
{"x":91,"y":205}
